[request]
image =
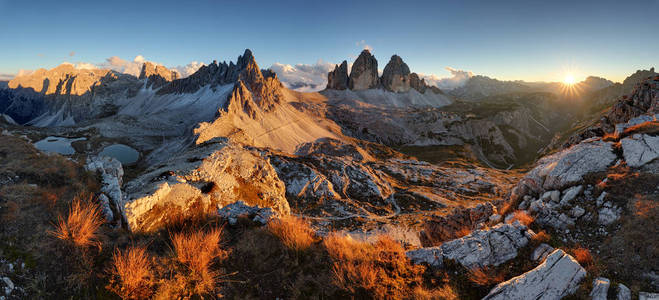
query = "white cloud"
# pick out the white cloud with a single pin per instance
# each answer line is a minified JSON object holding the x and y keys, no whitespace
{"x":189,"y":69}
{"x":458,"y":78}
{"x":124,"y":66}
{"x":362,"y":44}
{"x":6,"y":77}
{"x":304,"y":77}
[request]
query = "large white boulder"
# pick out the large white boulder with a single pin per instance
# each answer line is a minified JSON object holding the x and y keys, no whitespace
{"x":558,"y":276}
{"x":640,"y":149}
{"x":490,"y":247}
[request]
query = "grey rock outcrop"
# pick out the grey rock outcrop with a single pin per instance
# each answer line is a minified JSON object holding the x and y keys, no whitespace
{"x":600,"y":288}
{"x":566,"y":168}
{"x":338,"y":78}
{"x":640,"y":149}
{"x":364,"y":72}
{"x":624,"y":293}
{"x":239,"y":209}
{"x":541,"y":252}
{"x":558,"y":276}
{"x":112,"y":174}
{"x":648,"y":296}
{"x":490,"y":247}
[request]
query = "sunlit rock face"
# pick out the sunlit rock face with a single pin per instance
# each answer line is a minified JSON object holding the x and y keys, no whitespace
{"x":364,"y":72}
{"x":338,"y":79}
{"x":157,"y":75}
{"x":200,"y":181}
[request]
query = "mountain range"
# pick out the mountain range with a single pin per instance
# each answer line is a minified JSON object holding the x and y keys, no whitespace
{"x":368,"y":154}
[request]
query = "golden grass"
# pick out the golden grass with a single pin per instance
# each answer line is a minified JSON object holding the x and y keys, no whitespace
{"x":81,"y":225}
{"x":445,"y":292}
{"x":377,"y":270}
{"x":523,"y":217}
{"x":541,"y":237}
{"x":582,"y":255}
{"x":294,"y":233}
{"x":133,"y":269}
{"x":197,"y":251}
{"x":484,"y":276}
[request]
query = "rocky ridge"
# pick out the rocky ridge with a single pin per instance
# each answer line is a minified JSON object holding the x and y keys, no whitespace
{"x":157,"y":75}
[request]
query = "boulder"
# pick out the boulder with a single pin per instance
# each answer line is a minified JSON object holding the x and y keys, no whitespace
{"x":490,"y":247}
{"x":338,"y":79}
{"x":640,"y":149}
{"x":364,"y":72}
{"x":600,"y":288}
{"x":571,"y":193}
{"x":624,"y":293}
{"x":558,"y":276}
{"x":431,"y":256}
{"x":566,"y":168}
{"x":608,"y":215}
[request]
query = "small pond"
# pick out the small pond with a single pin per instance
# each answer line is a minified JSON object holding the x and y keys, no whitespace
{"x":125,"y":154}
{"x":57,"y":144}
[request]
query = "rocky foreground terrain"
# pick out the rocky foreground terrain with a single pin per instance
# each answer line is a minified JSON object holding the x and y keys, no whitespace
{"x":376,"y":187}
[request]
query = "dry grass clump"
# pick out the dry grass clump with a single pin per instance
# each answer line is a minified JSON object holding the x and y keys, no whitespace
{"x":484,"y":276}
{"x":444,"y":292}
{"x":132,"y":270}
{"x":81,"y":225}
{"x":541,"y":237}
{"x":197,"y":251}
{"x":582,"y":255}
{"x":294,"y":233}
{"x":377,"y":270}
{"x":523,"y":218}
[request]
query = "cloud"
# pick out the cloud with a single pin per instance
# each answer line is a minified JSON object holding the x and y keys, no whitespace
{"x":72,"y":53}
{"x":189,"y":69}
{"x":304,"y":77}
{"x":362,"y":44}
{"x":6,"y":77}
{"x":458,"y":78}
{"x":124,"y":66}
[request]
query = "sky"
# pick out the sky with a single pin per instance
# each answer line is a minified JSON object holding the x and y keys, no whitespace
{"x":509,"y":40}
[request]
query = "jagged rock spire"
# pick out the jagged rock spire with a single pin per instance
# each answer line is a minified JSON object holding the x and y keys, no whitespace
{"x":338,"y":79}
{"x":157,"y":75}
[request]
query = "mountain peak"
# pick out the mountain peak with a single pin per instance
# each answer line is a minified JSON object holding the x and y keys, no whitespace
{"x":364,"y":72}
{"x":157,"y":75}
{"x":338,"y":79}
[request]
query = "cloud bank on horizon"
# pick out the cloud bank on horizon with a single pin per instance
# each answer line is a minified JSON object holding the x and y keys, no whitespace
{"x":313,"y":77}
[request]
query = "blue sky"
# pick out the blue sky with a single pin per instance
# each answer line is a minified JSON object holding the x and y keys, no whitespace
{"x":528,"y":40}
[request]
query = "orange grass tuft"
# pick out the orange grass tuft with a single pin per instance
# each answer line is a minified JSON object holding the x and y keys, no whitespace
{"x":295,"y":233}
{"x":484,"y":277}
{"x":523,"y":217}
{"x":582,"y":255}
{"x":133,"y":269}
{"x":81,"y":224}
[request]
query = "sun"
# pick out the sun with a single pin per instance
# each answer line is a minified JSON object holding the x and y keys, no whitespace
{"x":569,"y":79}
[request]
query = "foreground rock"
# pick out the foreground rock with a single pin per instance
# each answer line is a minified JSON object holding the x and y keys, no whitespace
{"x":600,"y":288}
{"x":640,"y":149}
{"x":557,"y":277}
{"x":481,"y":248}
{"x":199,"y":181}
{"x":566,"y":168}
{"x":112,"y":174}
